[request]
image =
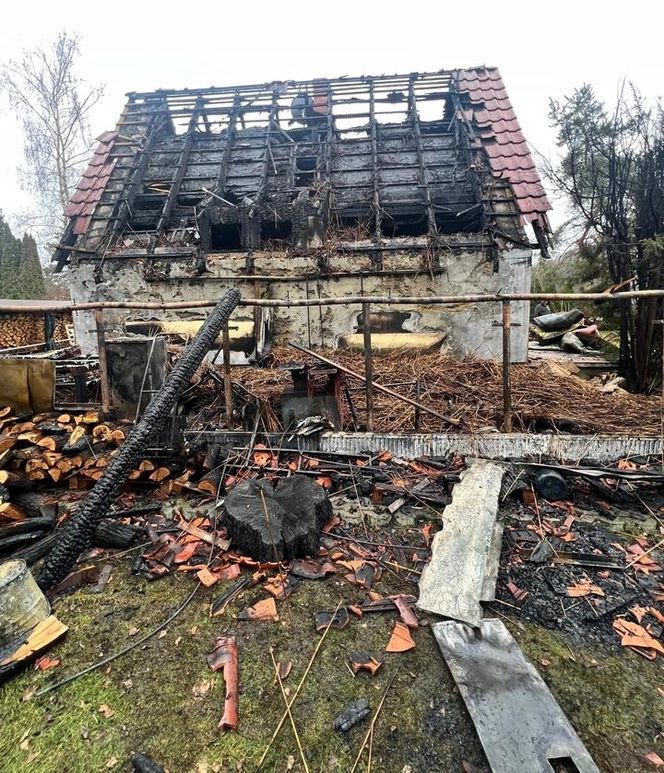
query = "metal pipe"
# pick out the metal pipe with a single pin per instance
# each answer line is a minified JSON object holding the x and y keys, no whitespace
{"x":103,"y":362}
{"x":507,"y":356}
{"x":386,"y":300}
{"x":368,"y":364}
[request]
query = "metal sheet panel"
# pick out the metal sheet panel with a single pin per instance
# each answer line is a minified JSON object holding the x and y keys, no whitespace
{"x":603,"y":448}
{"x":520,"y":725}
{"x":452,"y":583}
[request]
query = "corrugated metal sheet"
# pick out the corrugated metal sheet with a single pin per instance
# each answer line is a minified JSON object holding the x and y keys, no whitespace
{"x":604,"y":448}
{"x":497,"y":130}
{"x":92,"y":184}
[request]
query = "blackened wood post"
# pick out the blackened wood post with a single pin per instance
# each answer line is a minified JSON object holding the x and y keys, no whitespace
{"x":103,"y":362}
{"x":368,"y":364}
{"x":507,"y":356}
{"x":228,"y":387}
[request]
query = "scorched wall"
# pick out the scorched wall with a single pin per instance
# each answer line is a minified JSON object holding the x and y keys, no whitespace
{"x":472,"y":329}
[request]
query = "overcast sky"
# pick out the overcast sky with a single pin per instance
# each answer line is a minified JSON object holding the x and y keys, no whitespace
{"x":542,"y":49}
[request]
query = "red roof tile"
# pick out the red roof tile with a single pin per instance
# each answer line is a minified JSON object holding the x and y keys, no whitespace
{"x":497,"y":130}
{"x":91,"y":185}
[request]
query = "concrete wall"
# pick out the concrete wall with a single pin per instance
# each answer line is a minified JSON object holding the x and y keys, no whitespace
{"x":473,"y":329}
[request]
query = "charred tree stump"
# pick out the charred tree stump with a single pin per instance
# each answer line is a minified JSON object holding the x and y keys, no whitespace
{"x":77,"y":533}
{"x":279,"y":523}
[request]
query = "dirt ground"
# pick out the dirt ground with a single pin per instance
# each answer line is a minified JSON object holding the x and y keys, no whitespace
{"x":162,"y":699}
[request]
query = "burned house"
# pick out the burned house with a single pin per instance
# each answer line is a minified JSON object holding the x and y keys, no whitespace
{"x":406,"y":185}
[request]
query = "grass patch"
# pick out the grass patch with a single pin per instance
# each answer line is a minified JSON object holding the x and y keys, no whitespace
{"x":151,"y":693}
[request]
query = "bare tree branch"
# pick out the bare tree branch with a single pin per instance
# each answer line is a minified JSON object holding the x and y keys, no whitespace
{"x":48,"y":99}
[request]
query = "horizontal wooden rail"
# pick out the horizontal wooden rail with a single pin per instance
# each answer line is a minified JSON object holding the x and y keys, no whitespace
{"x":36,"y":308}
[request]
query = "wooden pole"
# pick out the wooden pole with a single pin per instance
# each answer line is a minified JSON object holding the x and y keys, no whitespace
{"x":103,"y":362}
{"x":368,"y":364}
{"x":507,"y":356}
{"x":392,"y":300}
{"x":228,"y":387}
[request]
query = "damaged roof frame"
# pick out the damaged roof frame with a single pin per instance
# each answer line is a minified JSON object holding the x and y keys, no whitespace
{"x":301,"y":164}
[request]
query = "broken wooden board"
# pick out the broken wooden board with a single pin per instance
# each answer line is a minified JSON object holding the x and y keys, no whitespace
{"x":42,"y":636}
{"x":519,"y":723}
{"x":452,"y":584}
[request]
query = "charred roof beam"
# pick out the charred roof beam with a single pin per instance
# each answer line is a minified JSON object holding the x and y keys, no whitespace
{"x":138,"y":169}
{"x":230,"y":137}
{"x":377,"y":212}
{"x":424,"y":178}
{"x":180,"y":168}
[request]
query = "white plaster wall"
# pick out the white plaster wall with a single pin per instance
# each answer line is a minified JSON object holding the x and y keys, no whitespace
{"x":473,"y":329}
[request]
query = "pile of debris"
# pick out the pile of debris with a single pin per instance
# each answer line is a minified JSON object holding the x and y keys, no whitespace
{"x":544,"y":398}
{"x":566,"y":565}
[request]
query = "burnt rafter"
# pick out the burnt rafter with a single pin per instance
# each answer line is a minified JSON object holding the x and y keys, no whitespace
{"x":292,"y":164}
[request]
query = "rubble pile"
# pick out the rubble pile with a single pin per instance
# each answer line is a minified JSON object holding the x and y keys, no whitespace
{"x":468,"y":390}
{"x":568,"y":564}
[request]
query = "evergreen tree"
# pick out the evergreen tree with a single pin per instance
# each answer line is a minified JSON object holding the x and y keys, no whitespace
{"x":30,"y":274}
{"x":20,"y":270}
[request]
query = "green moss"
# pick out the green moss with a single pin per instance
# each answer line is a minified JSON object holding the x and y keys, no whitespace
{"x":609,"y":694}
{"x":66,"y":733}
{"x":150,"y":690}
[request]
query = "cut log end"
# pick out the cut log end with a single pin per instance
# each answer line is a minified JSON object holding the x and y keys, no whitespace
{"x":279,"y":523}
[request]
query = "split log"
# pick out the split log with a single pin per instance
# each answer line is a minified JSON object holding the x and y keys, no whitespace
{"x":6,"y":442}
{"x":10,"y":512}
{"x":20,"y":427}
{"x":279,"y":523}
{"x":35,"y":465}
{"x":41,"y":524}
{"x":51,"y":428}
{"x":14,"y":480}
{"x":51,"y":458}
{"x":118,"y":437}
{"x":66,"y":465}
{"x":89,"y":417}
{"x":160,"y":474}
{"x":33,"y":553}
{"x":110,"y":533}
{"x":5,"y":457}
{"x":50,"y":443}
{"x":10,"y":544}
{"x":33,"y":504}
{"x":30,"y":438}
{"x":32,"y":452}
{"x":77,"y":441}
{"x":209,"y":484}
{"x":102,"y":432}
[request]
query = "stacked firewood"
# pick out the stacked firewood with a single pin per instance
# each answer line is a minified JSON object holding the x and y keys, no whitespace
{"x":53,"y":451}
{"x":25,"y":329}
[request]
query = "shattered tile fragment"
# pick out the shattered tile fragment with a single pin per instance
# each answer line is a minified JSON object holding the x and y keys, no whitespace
{"x":263,"y":611}
{"x":401,"y":639}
